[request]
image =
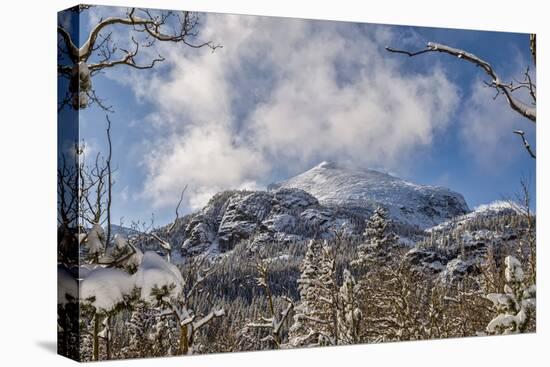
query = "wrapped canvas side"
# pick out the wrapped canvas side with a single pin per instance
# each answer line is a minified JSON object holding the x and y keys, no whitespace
{"x":68,"y":335}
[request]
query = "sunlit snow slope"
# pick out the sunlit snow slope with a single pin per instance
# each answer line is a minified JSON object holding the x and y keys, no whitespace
{"x":424,"y":206}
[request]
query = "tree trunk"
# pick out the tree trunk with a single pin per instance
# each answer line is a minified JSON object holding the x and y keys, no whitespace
{"x":184,"y":340}
{"x":96,"y":337}
{"x":108,"y":341}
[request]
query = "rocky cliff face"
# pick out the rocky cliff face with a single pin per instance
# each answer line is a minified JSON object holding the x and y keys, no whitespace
{"x":459,"y":246}
{"x":283,"y":215}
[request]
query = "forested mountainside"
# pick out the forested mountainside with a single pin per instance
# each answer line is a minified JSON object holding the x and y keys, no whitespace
{"x":283,"y":268}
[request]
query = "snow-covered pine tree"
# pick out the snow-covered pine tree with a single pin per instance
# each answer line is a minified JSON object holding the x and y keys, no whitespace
{"x":385,"y":287}
{"x":349,"y":314}
{"x":379,"y":245}
{"x":163,"y":337}
{"x":315,"y":316}
{"x":302,"y":331}
{"x":139,"y":345}
{"x":516,"y":307}
{"x":328,"y":296}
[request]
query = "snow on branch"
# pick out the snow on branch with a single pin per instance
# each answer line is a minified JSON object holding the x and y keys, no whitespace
{"x":525,"y":110}
{"x":206,"y":319}
{"x":517,"y":305}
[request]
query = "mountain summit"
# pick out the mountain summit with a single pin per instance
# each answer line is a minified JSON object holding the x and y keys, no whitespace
{"x":413,"y":204}
{"x":314,"y":204}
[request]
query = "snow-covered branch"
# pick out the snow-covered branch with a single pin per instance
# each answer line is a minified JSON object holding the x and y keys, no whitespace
{"x":206,"y":319}
{"x":522,"y":108}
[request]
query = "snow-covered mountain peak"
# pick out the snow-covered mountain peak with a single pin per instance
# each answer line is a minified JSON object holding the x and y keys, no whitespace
{"x":336,"y":185}
{"x":344,"y":169}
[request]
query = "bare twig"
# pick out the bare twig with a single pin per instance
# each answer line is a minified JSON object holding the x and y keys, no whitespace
{"x":177,"y":210}
{"x":526,"y":144}
{"x":109,"y":179}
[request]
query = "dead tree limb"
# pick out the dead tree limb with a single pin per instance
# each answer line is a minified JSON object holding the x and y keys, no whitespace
{"x":77,"y":64}
{"x":504,"y":88}
{"x":526,"y":144}
{"x":507,"y":89}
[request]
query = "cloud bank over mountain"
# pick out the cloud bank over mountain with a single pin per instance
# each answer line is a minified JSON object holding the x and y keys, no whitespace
{"x":283,"y":94}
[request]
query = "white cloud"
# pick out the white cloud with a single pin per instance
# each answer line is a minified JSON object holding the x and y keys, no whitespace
{"x":282,"y":94}
{"x":206,"y":159}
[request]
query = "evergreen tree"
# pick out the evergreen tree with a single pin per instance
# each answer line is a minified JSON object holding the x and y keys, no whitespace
{"x":516,"y":307}
{"x":379,"y":245}
{"x":349,"y":314}
{"x":328,"y":297}
{"x":315,"y":315}
{"x":139,"y":345}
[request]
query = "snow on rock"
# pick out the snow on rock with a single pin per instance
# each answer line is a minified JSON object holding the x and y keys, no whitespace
{"x":200,"y":234}
{"x":259,"y":217}
{"x":409,"y":203}
{"x":491,"y":210}
{"x":280,"y":222}
{"x":104,"y":288}
{"x":291,"y":198}
{"x":426,"y":259}
{"x":457,"y":268}
{"x":242,"y":216}
{"x":155,"y":272}
{"x":459,"y":246}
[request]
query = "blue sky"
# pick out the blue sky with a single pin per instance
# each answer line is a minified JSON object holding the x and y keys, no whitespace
{"x":283,"y":95}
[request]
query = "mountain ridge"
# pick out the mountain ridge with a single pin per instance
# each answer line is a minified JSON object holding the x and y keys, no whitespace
{"x":418,"y":205}
{"x":302,"y":208}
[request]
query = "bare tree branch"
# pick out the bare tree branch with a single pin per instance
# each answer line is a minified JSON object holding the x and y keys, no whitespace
{"x":525,"y":143}
{"x":517,"y":105}
{"x":72,"y":50}
{"x":109,"y":178}
{"x":152,"y":25}
{"x":177,"y":210}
